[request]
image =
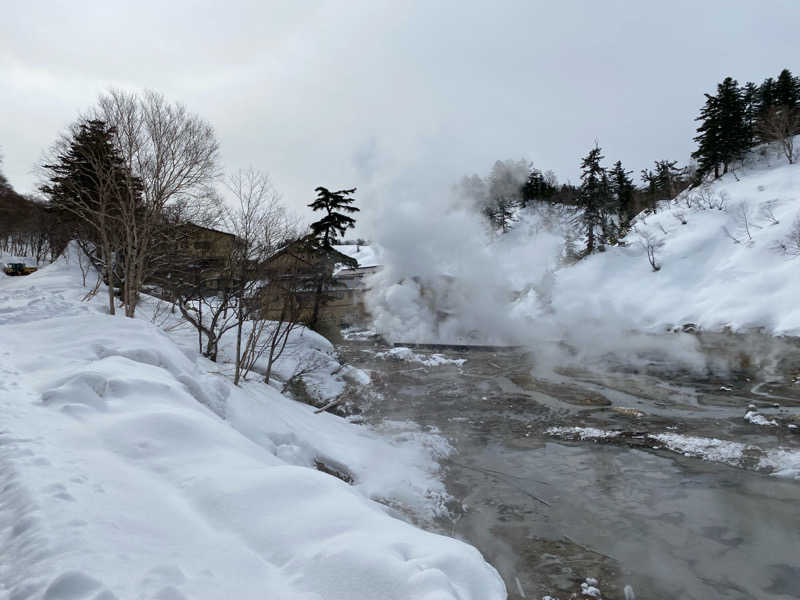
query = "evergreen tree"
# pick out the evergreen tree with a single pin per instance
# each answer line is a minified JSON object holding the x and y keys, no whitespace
{"x":708,"y":153}
{"x":622,"y":189}
{"x":609,"y":210}
{"x":592,"y":195}
{"x":723,"y":135}
{"x":537,"y":187}
{"x":327,"y":230}
{"x":787,"y":93}
{"x":734,"y":136}
{"x":766,"y":96}
{"x":86,"y":188}
{"x":751,"y":99}
{"x":505,"y":184}
{"x":89,"y":174}
{"x":668,"y":177}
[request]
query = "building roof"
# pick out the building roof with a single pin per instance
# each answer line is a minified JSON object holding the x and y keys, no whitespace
{"x":302,"y":245}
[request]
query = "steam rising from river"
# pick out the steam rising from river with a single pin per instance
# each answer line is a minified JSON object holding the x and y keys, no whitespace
{"x":448,"y":279}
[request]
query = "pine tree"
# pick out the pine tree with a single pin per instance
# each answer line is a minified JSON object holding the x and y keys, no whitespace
{"x":723,"y":135}
{"x":708,"y":153}
{"x":87,"y":173}
{"x":537,"y":187}
{"x":622,"y":190}
{"x":592,"y":195}
{"x":751,"y":99}
{"x":86,"y":188}
{"x":327,"y":230}
{"x":787,"y":93}
{"x":734,"y":136}
{"x":668,"y":177}
{"x":766,"y":96}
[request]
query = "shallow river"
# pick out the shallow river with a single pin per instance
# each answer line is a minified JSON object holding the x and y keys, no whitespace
{"x":550,"y":512}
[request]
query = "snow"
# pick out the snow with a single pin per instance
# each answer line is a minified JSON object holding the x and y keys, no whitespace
{"x":720,"y":270}
{"x":583,"y":433}
{"x":705,"y":277}
{"x":130,"y":469}
{"x":590,"y":589}
{"x":780,"y":462}
{"x":366,"y":255}
{"x":407,"y":354}
{"x":758,"y":419}
{"x":711,"y":449}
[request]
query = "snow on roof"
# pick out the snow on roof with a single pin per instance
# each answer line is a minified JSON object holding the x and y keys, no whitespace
{"x":365,"y":255}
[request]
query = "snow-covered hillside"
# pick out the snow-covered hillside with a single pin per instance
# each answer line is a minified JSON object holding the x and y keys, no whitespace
{"x":129,"y":470}
{"x":717,"y":249}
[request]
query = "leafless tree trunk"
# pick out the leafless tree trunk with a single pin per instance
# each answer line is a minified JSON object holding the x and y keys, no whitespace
{"x":261,"y":224}
{"x":95,"y":208}
{"x":651,"y":243}
{"x":173,"y":155}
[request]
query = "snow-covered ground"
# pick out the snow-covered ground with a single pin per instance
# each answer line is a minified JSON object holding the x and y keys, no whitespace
{"x":718,"y":249}
{"x":130,"y":469}
{"x":718,"y":252}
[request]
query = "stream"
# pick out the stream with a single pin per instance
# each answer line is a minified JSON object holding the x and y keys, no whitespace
{"x":551,"y":510}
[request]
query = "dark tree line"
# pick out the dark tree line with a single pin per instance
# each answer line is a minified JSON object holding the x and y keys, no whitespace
{"x":26,"y":225}
{"x":737,"y":118}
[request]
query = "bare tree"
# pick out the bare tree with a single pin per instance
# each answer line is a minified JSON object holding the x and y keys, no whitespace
{"x":173,"y":154}
{"x":650,"y":243}
{"x":261,"y":224}
{"x":280,"y":307}
{"x":780,"y":124}
{"x":85,"y":181}
{"x":790,"y":244}
{"x":744,"y":221}
{"x":767,"y":211}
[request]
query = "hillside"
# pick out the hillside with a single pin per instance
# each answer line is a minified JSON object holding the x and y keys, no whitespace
{"x":719,"y":253}
{"x":130,"y":469}
{"x":718,"y":250}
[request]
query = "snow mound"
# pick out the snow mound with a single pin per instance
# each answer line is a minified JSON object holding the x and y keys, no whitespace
{"x":129,"y":470}
{"x":407,"y":354}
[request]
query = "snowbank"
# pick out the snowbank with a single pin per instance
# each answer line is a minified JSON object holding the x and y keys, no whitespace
{"x":128,"y":470}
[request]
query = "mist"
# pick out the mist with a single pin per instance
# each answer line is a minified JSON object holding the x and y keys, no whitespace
{"x":448,"y":278}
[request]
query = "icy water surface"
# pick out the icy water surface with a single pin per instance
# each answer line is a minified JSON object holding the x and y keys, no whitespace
{"x":550,"y":512}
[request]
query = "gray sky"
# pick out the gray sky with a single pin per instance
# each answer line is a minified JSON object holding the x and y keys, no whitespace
{"x":397,"y":98}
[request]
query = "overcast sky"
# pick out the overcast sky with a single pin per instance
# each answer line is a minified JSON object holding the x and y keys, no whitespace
{"x":396,"y":98}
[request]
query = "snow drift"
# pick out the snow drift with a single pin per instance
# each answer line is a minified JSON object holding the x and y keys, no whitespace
{"x":120,"y":479}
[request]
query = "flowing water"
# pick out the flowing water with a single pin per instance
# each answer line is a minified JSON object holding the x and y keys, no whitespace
{"x":549,"y":512}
